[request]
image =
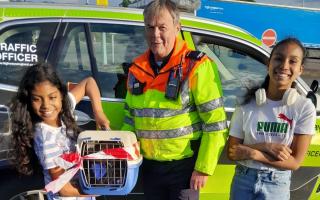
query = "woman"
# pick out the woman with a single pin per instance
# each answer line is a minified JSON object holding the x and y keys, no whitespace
{"x":271,"y":130}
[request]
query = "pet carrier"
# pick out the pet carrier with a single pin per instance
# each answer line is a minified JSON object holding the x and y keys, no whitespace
{"x":110,"y":162}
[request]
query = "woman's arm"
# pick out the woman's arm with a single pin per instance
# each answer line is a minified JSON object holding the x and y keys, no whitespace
{"x":300,"y":144}
{"x":277,"y":151}
{"x":299,"y":148}
{"x":237,"y":151}
{"x":88,"y":87}
{"x":69,"y":189}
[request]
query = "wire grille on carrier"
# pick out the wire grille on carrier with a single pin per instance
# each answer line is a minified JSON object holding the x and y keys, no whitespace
{"x":103,"y":172}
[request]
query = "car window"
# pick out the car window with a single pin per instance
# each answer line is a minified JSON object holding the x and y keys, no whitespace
{"x":311,"y":66}
{"x":115,"y":46}
{"x":237,"y":69}
{"x":73,"y":57}
{"x":21,"y":46}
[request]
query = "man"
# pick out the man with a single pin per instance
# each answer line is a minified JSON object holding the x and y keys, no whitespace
{"x":174,"y":105}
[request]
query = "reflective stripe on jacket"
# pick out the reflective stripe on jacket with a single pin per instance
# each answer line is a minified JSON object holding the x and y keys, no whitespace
{"x":165,"y":127}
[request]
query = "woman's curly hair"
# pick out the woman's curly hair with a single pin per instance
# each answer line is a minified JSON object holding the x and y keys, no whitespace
{"x":23,"y":118}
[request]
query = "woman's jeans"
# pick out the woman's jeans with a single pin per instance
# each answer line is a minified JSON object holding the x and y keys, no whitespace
{"x":249,"y":183}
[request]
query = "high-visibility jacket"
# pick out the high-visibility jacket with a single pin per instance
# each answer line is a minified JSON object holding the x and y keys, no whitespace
{"x":165,"y":127}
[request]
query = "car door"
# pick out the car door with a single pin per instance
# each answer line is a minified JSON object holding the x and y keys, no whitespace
{"x":240,"y":65}
{"x":102,"y":49}
{"x":22,"y":44}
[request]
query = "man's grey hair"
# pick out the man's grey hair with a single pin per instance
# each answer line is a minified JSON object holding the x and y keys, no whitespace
{"x":155,"y":6}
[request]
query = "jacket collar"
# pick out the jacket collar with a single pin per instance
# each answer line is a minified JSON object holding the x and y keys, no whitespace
{"x":179,"y":50}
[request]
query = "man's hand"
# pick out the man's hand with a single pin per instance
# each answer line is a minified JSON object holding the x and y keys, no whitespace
{"x":198,"y":180}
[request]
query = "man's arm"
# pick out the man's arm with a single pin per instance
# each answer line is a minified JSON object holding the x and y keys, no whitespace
{"x":207,"y":92}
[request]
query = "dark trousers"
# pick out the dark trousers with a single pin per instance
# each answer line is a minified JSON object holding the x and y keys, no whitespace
{"x":169,"y":180}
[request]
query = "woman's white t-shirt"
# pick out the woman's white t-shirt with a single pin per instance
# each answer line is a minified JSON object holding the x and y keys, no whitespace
{"x":272,"y":122}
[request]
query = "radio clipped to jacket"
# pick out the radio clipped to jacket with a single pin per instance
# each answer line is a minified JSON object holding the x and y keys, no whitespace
{"x":175,"y":76}
{"x":173,"y":85}
{"x":135,"y":86}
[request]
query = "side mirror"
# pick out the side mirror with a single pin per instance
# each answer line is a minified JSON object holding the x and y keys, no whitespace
{"x":312,"y":94}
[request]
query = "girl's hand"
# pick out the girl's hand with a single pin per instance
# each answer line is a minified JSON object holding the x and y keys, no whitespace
{"x":198,"y":180}
{"x":279,"y":152}
{"x":102,"y":121}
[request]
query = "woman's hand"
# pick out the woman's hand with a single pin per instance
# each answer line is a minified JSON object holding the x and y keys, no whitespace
{"x":102,"y":121}
{"x":198,"y":180}
{"x":279,"y":152}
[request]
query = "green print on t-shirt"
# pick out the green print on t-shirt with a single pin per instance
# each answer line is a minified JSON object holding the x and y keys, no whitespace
{"x":274,"y":127}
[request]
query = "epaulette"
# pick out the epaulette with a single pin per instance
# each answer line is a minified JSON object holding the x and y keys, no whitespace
{"x":195,"y":55}
{"x":125,"y":67}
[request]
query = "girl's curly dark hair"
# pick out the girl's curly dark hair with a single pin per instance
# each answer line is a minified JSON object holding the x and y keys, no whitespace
{"x":23,"y":118}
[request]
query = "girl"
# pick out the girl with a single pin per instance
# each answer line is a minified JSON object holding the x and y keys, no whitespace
{"x":42,"y":122}
{"x":270,"y":133}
